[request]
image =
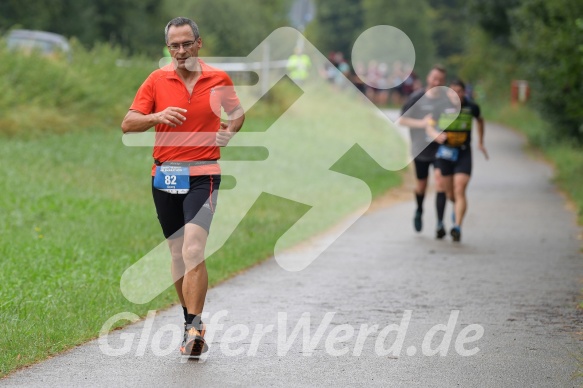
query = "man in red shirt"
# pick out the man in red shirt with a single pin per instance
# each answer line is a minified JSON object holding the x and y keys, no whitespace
{"x":183,"y":101}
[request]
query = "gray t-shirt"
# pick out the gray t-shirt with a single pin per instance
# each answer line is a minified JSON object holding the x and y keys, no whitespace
{"x":422,"y":147}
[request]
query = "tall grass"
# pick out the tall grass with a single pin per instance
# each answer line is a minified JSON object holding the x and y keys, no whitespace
{"x":44,"y":94}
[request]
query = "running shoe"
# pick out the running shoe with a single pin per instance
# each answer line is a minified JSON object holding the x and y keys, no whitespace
{"x":417,"y":222}
{"x":193,"y":344}
{"x":456,"y":233}
{"x":440,"y":233}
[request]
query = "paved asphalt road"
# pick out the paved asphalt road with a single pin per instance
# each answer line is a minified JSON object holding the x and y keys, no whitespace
{"x":498,"y":309}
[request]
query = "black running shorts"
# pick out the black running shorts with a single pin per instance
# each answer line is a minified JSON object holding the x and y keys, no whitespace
{"x":422,"y":168}
{"x":463,"y":164}
{"x":197,"y":206}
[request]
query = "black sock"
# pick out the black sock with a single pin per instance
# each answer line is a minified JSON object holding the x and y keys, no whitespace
{"x":440,"y":205}
{"x":185,"y":311}
{"x":193,"y":319}
{"x":419,"y":198}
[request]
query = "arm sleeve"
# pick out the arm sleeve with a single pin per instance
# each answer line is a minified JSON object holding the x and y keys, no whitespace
{"x":229,"y":99}
{"x":144,"y":100}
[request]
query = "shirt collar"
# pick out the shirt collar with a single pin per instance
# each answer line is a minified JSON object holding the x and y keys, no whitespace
{"x":171,"y":72}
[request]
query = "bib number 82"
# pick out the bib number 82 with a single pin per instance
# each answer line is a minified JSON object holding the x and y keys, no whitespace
{"x":170,"y":179}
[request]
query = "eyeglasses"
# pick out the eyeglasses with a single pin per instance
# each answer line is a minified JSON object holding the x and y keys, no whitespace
{"x":185,"y":45}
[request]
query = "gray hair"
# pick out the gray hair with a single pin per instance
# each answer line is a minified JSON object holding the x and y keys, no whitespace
{"x":181,"y":21}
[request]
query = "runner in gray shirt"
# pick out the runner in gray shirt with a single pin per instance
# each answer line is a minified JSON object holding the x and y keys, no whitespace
{"x":416,"y":117}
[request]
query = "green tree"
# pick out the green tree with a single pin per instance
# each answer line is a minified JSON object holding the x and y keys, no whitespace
{"x":580,"y":26}
{"x":23,"y":14}
{"x":493,"y":16}
{"x":337,"y":25}
{"x":410,"y":16}
{"x":450,"y":20}
{"x":127,"y":23}
{"x":230,"y":28}
{"x":547,"y":37}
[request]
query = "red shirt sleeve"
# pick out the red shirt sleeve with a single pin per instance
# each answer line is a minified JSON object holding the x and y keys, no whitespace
{"x":229,"y":99}
{"x":144,"y":100}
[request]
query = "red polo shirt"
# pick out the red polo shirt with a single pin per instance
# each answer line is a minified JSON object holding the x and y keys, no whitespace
{"x":195,"y":138}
